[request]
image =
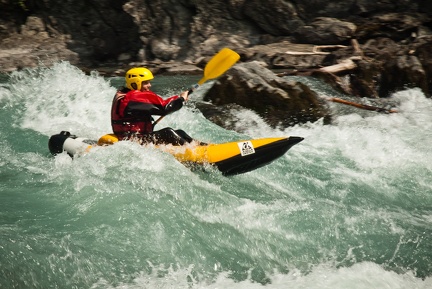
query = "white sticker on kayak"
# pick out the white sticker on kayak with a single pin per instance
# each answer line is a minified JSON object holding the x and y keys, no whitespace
{"x":246,"y":148}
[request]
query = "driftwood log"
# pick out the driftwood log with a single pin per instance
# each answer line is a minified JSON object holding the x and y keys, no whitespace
{"x":329,"y":73}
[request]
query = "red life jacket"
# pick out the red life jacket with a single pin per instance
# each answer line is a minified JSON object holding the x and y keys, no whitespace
{"x":131,"y":111}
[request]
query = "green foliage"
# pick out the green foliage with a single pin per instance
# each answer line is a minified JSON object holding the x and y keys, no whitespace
{"x":22,"y":4}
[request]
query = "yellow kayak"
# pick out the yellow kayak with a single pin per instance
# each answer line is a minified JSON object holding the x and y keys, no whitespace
{"x":230,"y":158}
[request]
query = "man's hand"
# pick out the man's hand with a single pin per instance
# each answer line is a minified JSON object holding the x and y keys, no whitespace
{"x":185,"y":95}
{"x":119,"y":95}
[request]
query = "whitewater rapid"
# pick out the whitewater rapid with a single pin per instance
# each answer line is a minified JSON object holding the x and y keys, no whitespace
{"x":349,"y":207}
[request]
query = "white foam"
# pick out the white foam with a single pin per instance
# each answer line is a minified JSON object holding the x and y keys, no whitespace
{"x":364,"y":275}
{"x":62,"y":97}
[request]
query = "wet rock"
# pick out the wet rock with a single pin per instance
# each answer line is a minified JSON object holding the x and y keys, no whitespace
{"x":225,"y":116}
{"x":278,"y":101}
{"x":423,"y":51}
{"x":281,"y":34}
{"x":326,"y":30}
{"x":402,"y":72}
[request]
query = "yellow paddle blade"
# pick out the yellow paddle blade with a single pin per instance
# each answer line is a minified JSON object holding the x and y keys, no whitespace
{"x":220,"y":63}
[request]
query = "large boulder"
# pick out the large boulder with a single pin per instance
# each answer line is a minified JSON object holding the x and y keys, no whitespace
{"x":284,"y":17}
{"x":326,"y":30}
{"x":402,"y":72}
{"x":280,"y":102}
{"x":424,"y":53}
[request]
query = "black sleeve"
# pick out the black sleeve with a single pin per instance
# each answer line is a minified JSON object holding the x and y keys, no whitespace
{"x":141,"y":110}
{"x":145,"y":110}
{"x":174,"y":105}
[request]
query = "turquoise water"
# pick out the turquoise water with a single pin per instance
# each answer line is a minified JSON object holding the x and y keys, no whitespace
{"x":349,"y":207}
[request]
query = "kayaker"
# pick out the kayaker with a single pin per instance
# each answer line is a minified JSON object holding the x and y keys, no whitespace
{"x":133,"y":107}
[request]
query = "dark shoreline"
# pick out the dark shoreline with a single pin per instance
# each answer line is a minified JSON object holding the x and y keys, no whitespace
{"x":376,"y":47}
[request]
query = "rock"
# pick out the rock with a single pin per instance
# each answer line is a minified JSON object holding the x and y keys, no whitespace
{"x":223,"y":115}
{"x":326,"y":30}
{"x":180,"y":68}
{"x":401,"y":73}
{"x":284,"y":54}
{"x":279,"y":102}
{"x":34,"y":26}
{"x":281,"y":34}
{"x":396,"y":26}
{"x":423,"y":51}
{"x":283,"y":16}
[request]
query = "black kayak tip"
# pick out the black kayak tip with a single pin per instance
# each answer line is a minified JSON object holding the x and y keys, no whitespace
{"x":262,"y":156}
{"x":295,"y":139}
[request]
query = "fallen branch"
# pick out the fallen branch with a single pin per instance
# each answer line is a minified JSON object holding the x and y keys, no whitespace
{"x":357,"y":49}
{"x":316,"y":50}
{"x":346,"y":64}
{"x":306,"y":52}
{"x":362,"y":106}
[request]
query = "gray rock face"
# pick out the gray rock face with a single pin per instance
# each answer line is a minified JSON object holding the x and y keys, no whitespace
{"x":106,"y":31}
{"x":394,"y":36}
{"x":326,"y":30}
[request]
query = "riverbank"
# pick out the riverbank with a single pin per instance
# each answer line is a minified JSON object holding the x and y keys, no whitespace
{"x":368,"y":49}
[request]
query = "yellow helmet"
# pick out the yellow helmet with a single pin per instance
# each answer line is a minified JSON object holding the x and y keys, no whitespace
{"x":135,"y":77}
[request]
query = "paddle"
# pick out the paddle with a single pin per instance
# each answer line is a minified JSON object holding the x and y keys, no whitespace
{"x":219,"y":64}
